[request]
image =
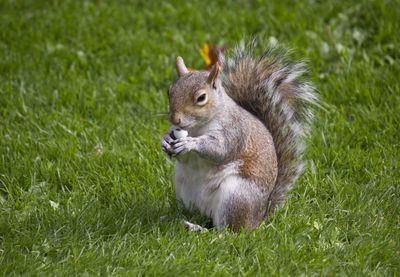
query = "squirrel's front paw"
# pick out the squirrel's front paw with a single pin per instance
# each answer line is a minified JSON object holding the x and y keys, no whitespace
{"x":166,"y":143}
{"x":183,"y":145}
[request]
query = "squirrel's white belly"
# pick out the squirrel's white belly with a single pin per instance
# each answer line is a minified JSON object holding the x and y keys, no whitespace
{"x":202,"y":185}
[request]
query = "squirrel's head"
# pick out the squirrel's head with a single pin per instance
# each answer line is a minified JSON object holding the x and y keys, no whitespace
{"x":194,"y":97}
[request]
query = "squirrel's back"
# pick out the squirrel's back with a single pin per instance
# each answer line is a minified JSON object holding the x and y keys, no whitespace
{"x":274,"y":91}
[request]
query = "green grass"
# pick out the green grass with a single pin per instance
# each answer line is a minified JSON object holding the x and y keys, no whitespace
{"x":86,"y":190}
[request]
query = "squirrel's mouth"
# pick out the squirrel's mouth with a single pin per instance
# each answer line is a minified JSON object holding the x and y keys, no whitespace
{"x":188,"y":124}
{"x":184,"y":127}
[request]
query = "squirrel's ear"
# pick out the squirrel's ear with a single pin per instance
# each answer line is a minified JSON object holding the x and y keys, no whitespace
{"x":181,"y":67}
{"x":214,"y":73}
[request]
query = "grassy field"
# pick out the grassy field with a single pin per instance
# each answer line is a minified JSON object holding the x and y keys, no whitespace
{"x":85,"y":188}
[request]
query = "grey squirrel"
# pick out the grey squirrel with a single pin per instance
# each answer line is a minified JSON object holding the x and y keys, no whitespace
{"x":246,"y":121}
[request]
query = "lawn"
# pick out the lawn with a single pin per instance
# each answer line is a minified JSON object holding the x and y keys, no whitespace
{"x":86,"y":190}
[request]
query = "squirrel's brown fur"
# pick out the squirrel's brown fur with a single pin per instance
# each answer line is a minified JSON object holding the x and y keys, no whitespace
{"x":270,"y":88}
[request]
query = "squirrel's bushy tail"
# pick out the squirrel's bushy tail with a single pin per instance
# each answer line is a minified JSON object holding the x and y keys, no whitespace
{"x":275,"y":91}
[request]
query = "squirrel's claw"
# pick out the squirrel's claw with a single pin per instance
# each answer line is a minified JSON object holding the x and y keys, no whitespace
{"x":165,"y":142}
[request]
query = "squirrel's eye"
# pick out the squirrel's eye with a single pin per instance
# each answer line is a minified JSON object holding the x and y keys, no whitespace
{"x":202,"y":99}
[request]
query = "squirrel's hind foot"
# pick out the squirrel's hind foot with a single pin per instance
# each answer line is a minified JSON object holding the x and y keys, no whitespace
{"x":193,"y":227}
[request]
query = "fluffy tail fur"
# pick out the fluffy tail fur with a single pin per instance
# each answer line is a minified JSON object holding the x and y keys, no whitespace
{"x":274,"y":90}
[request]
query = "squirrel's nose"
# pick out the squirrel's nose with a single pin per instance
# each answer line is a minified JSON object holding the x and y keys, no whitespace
{"x":175,"y":119}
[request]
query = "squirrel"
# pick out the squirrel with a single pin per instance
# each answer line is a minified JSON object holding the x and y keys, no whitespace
{"x":246,"y":119}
